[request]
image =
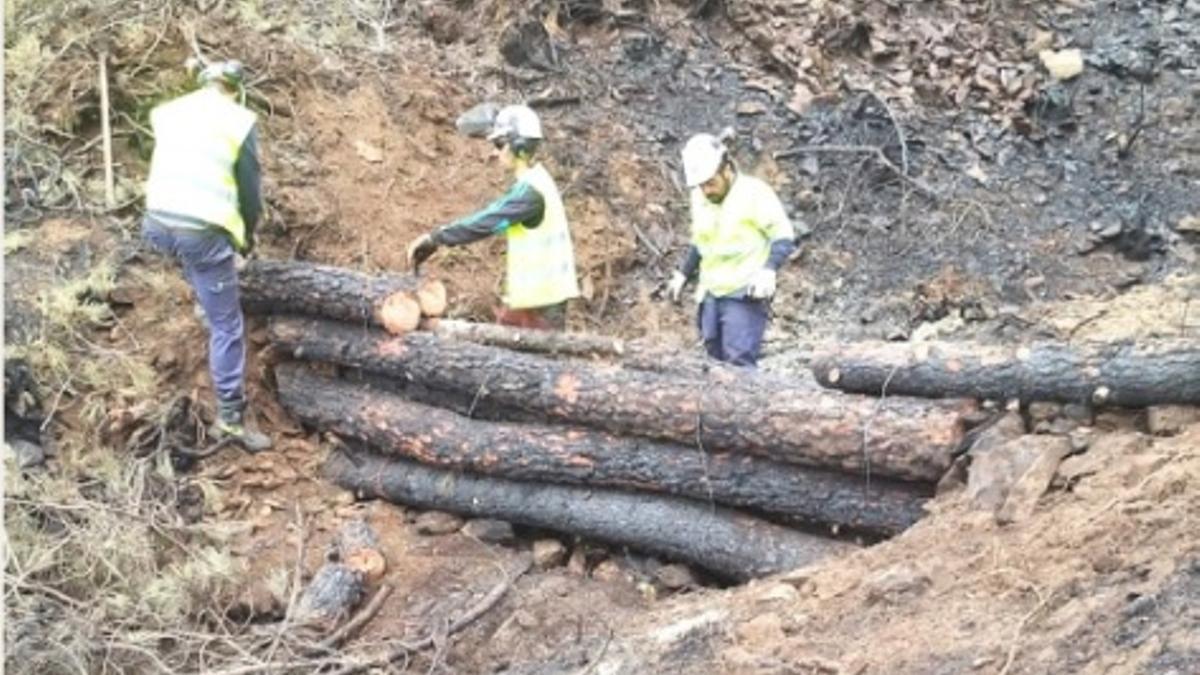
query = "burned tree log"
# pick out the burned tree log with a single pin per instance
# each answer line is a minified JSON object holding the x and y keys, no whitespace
{"x":395,"y":302}
{"x":725,"y":542}
{"x":398,"y":303}
{"x":1129,"y":375}
{"x":726,"y":412}
{"x":531,"y":340}
{"x":633,"y":354}
{"x":538,"y":453}
{"x":340,"y":584}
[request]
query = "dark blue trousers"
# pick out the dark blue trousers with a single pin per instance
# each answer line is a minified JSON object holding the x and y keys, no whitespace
{"x":732,"y":329}
{"x":207,"y":258}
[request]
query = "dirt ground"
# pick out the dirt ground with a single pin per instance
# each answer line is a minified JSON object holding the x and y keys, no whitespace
{"x":992,"y":203}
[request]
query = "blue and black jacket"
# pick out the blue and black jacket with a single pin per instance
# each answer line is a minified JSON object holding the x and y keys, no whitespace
{"x":521,"y":205}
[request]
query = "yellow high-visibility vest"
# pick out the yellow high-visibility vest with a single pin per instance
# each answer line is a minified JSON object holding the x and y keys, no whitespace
{"x":734,"y":237}
{"x":197,"y":138}
{"x":541,"y":260}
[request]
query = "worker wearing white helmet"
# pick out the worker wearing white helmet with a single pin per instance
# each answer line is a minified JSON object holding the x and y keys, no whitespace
{"x":540,"y":275}
{"x":203,"y":202}
{"x":740,"y":236}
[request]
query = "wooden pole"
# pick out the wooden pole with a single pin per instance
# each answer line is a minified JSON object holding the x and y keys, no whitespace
{"x":110,"y":194}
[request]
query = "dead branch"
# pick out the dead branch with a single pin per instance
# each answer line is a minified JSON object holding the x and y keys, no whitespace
{"x":189,"y":35}
{"x":551,"y":101}
{"x":895,"y":124}
{"x":361,"y":619}
{"x":297,"y":584}
{"x":599,"y":658}
{"x":861,"y":149}
{"x":1138,"y":124}
{"x":470,"y":616}
{"x":641,"y":236}
{"x":1016,"y":639}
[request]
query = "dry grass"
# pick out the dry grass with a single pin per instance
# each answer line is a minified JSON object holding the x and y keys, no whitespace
{"x":96,"y":552}
{"x":68,"y":362}
{"x":99,"y":562}
{"x":17,"y":240}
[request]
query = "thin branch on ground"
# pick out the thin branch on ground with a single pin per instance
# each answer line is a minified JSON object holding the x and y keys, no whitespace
{"x":591,"y":667}
{"x":361,"y":619}
{"x":1016,"y":639}
{"x":297,"y":584}
{"x":1138,"y":124}
{"x":189,"y":36}
{"x":866,"y":433}
{"x":896,"y":124}
{"x":470,"y":616}
{"x":861,"y":149}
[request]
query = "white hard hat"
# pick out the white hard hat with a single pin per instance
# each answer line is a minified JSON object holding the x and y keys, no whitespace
{"x":703,"y":156}
{"x":232,"y":73}
{"x":516,"y":121}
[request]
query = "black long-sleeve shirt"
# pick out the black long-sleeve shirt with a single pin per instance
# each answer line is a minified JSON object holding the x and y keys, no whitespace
{"x":520,"y":205}
{"x":249,"y":181}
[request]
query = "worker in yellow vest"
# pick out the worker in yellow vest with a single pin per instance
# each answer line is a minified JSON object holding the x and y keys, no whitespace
{"x":740,"y":236}
{"x":540,"y":276}
{"x":203,"y":201}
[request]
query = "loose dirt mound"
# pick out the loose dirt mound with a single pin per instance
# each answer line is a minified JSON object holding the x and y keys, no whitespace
{"x":1100,"y":579}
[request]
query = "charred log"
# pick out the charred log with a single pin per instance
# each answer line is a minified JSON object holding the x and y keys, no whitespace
{"x":1128,"y":375}
{"x":340,"y":584}
{"x":725,"y":412}
{"x":727,"y":543}
{"x":539,"y":453}
{"x":395,"y":302}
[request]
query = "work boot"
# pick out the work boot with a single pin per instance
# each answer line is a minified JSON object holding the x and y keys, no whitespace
{"x":231,"y":424}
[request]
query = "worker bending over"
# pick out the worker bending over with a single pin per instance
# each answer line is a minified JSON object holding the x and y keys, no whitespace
{"x":740,"y":236}
{"x":540,"y":275}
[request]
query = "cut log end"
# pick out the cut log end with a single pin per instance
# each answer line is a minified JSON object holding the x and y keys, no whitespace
{"x":399,"y":313}
{"x":431,"y":295}
{"x":369,"y":562}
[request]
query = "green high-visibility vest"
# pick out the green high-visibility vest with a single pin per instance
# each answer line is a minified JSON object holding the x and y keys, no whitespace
{"x":197,"y":138}
{"x":541,"y":260}
{"x":734,"y":237}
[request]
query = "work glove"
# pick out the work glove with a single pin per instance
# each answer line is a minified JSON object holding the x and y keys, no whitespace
{"x":762,"y":285}
{"x":675,"y":286}
{"x":420,"y":250}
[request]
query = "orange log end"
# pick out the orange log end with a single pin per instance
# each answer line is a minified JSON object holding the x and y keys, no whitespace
{"x":400,"y":313}
{"x":431,"y":295}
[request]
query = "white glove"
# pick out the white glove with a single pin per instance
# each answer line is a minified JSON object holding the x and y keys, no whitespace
{"x":762,"y":284}
{"x":675,"y":286}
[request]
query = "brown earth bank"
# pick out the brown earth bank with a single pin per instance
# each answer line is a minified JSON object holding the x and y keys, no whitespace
{"x":951,"y":185}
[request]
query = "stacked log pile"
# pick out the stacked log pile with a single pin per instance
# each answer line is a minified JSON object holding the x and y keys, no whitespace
{"x":727,"y":470}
